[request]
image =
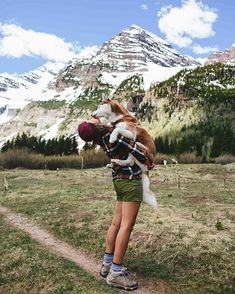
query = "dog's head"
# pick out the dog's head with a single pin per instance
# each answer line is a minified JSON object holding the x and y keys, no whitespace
{"x":103,"y":110}
{"x":109,"y":108}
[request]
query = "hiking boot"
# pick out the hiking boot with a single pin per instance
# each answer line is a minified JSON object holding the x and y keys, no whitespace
{"x":122,"y":280}
{"x":104,"y":270}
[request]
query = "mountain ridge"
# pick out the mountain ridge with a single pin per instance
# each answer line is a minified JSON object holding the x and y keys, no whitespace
{"x":226,"y":56}
{"x":130,"y":51}
{"x":51,"y":101}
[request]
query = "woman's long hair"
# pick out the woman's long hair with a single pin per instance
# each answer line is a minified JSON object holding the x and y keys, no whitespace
{"x":99,"y":132}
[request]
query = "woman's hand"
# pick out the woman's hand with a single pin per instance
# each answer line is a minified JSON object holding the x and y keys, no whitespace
{"x":95,"y":121}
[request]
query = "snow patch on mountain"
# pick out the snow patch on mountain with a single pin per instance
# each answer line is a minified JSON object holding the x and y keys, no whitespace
{"x":113,"y":78}
{"x":5,"y":139}
{"x":51,"y":132}
{"x":4,"y":117}
{"x":18,"y":90}
{"x":157,"y":73}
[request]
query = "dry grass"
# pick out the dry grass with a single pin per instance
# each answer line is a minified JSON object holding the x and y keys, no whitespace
{"x":24,"y":159}
{"x":189,"y":157}
{"x":188,"y":242}
{"x":225,"y":159}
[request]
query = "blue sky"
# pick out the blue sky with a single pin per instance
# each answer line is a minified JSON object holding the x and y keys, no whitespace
{"x":33,"y":32}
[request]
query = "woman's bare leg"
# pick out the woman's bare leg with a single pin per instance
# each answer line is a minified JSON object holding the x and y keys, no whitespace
{"x":113,"y":229}
{"x":129,"y":213}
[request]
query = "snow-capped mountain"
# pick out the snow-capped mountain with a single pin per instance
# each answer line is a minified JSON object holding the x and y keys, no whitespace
{"x":132,"y":50}
{"x":25,"y":80}
{"x":16,"y":90}
{"x":226,"y":56}
{"x":54,"y":96}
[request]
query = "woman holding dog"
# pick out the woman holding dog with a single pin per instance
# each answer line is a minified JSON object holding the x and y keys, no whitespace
{"x":129,"y":190}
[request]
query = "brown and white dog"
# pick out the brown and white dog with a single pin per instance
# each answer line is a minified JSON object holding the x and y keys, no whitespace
{"x":128,"y":126}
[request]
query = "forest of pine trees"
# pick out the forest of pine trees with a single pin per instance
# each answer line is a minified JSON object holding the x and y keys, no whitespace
{"x":56,"y":146}
{"x":205,"y":144}
{"x":202,"y":140}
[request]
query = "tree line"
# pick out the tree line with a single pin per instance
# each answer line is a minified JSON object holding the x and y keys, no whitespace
{"x":205,"y":140}
{"x":205,"y":144}
{"x":56,"y":146}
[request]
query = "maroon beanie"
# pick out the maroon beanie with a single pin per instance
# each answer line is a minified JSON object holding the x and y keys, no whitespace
{"x":86,"y":131}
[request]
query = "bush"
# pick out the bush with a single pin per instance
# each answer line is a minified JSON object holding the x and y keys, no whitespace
{"x":224,"y":159}
{"x":21,"y":158}
{"x":94,"y":158}
{"x":54,"y":162}
{"x":189,"y":157}
{"x":24,"y":159}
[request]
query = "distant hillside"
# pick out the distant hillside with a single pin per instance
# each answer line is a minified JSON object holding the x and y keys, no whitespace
{"x":193,"y":111}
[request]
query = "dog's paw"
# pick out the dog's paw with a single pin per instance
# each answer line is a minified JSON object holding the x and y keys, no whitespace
{"x":111,"y":141}
{"x":113,"y":137}
{"x":109,"y":165}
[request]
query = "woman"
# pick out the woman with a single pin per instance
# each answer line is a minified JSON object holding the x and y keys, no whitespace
{"x":127,"y":183}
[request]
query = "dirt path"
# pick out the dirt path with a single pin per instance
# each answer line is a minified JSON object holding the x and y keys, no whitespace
{"x":65,"y":250}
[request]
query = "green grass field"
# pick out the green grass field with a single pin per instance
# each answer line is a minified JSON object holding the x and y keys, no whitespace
{"x":188,"y":243}
{"x":28,"y":268}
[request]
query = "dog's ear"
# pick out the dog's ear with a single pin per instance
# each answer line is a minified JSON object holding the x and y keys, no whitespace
{"x":107,"y":100}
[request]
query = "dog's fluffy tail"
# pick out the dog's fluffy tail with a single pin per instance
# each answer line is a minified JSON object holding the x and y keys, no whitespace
{"x":148,"y":195}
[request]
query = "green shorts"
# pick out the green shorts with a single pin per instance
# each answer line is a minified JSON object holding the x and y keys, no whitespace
{"x":128,"y":190}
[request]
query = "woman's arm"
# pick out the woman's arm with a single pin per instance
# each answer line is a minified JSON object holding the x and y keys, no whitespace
{"x":139,"y":153}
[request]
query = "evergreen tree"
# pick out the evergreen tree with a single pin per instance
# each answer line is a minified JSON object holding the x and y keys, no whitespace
{"x":74,"y":146}
{"x":17,"y":142}
{"x":216,"y":147}
{"x":41,"y":145}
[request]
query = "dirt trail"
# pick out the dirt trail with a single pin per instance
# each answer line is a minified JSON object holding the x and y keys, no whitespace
{"x":65,"y":250}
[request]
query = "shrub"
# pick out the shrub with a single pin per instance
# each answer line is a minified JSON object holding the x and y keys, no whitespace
{"x":24,"y":159}
{"x":21,"y":158}
{"x":219,"y":225}
{"x":224,"y":159}
{"x":54,"y":162}
{"x":189,"y":157}
{"x":94,"y":158}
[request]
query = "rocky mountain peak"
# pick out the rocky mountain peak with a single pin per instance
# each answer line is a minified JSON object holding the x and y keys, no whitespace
{"x":138,"y":30}
{"x":226,"y":56}
{"x":133,"y":48}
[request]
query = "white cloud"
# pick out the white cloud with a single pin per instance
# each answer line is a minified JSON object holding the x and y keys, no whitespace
{"x":233,"y":45}
{"x":144,"y":7}
{"x":17,"y":42}
{"x":198,"y":49}
{"x":201,"y":60}
{"x":88,"y":52}
{"x":181,"y":25}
